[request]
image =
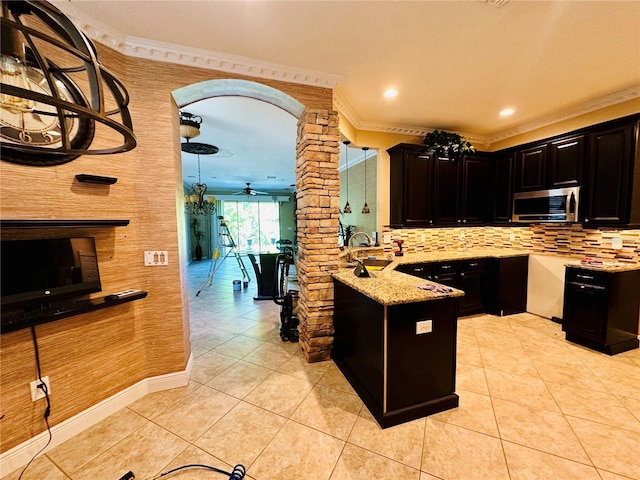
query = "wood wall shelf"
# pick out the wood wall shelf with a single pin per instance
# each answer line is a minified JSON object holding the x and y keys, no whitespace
{"x":62,"y":223}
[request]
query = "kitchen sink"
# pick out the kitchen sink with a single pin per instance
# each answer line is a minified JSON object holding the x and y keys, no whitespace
{"x":374,"y":264}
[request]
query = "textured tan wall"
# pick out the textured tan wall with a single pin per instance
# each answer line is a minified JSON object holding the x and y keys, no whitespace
{"x":90,"y":357}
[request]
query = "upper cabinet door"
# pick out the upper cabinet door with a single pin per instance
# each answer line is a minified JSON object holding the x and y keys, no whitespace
{"x":530,"y":168}
{"x":609,"y":163}
{"x":475,"y":198}
{"x":503,"y":188}
{"x":566,"y":157}
{"x":411,"y":168}
{"x":446,"y":198}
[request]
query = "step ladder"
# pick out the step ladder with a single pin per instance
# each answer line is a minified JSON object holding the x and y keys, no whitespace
{"x":226,"y":244}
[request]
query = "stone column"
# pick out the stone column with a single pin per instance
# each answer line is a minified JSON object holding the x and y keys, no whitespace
{"x":318,"y":210}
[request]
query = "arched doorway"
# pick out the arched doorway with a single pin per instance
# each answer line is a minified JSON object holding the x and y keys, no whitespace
{"x":318,"y":196}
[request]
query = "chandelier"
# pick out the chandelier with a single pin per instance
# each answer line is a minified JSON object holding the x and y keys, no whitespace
{"x":196,"y":203}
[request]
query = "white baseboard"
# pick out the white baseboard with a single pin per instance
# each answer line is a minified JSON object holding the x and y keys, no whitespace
{"x":19,"y":455}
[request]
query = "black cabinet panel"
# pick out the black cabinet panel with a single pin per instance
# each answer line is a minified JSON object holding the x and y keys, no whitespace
{"x":530,"y":168}
{"x":566,"y":157}
{"x":506,"y":285}
{"x":411,"y":168}
{"x":399,"y":374}
{"x":601,"y":309}
{"x":503,"y":191}
{"x":420,"y":367}
{"x":474,"y":190}
{"x":609,"y":170}
{"x":446,"y":191}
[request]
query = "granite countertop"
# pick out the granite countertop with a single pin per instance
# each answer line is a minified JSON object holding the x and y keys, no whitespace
{"x":460,"y":254}
{"x":389,"y":287}
{"x":611,"y":267}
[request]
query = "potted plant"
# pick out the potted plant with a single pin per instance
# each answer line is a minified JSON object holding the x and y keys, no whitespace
{"x":447,"y":143}
{"x":199,"y":235}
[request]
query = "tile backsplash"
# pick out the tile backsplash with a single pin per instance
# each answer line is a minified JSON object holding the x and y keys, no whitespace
{"x":561,"y":239}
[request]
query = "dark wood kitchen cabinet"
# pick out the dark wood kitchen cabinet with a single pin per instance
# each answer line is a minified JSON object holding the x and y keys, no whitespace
{"x":471,"y":280}
{"x":566,"y":158}
{"x":428,"y":189}
{"x":601,"y":309}
{"x":446,"y":190}
{"x":460,"y":190}
{"x":493,"y":285}
{"x":506,"y":285}
{"x":411,"y":183}
{"x":611,"y":195}
{"x":553,"y":164}
{"x":466,"y":275}
{"x":503,"y":174}
{"x":474,"y":190}
{"x":531,"y":168}
{"x":400,"y":373}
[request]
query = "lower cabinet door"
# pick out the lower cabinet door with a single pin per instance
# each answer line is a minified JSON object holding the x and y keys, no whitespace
{"x":473,"y":286}
{"x":585,"y":311}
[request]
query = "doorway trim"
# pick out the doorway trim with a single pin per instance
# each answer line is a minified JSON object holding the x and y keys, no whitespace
{"x":241,"y":88}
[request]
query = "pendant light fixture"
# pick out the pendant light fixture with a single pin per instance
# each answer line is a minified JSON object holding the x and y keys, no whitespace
{"x":54,"y":92}
{"x":196,"y":204}
{"x":365,"y":209}
{"x":347,"y":207}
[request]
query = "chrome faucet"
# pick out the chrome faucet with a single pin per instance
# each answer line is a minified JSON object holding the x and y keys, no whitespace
{"x":350,"y":243}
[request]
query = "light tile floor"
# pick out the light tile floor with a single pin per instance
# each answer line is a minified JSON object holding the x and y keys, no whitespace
{"x":532,"y":406}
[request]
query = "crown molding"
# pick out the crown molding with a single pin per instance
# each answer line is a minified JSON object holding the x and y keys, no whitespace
{"x":171,"y":53}
{"x":614,"y":98}
{"x":343,"y":106}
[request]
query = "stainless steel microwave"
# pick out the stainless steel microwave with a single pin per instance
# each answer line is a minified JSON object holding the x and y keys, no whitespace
{"x":555,"y":205}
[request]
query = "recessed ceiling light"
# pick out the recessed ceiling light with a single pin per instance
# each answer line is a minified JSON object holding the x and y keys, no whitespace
{"x":506,"y":112}
{"x":390,"y":93}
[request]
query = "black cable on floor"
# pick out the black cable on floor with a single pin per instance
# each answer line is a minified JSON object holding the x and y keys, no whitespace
{"x":238,"y":472}
{"x":47,"y":411}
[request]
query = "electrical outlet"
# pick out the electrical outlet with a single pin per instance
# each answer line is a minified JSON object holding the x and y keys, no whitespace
{"x":512,"y":237}
{"x":425,"y":326}
{"x":156,"y":257}
{"x":38,"y":393}
{"x":616,"y":242}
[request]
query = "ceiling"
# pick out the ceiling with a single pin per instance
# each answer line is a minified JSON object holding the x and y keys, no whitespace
{"x":456,"y":64}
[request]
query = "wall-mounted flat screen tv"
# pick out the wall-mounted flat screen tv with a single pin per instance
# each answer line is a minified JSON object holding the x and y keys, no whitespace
{"x":38,"y":272}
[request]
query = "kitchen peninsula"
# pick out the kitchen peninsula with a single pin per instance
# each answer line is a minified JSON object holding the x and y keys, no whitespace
{"x":395,"y":342}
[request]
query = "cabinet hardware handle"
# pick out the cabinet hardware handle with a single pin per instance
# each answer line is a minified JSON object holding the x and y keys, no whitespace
{"x":444,"y":267}
{"x":464,"y":221}
{"x":458,"y":220}
{"x":462,"y":274}
{"x":585,"y":276}
{"x":473,"y":264}
{"x":567,"y":145}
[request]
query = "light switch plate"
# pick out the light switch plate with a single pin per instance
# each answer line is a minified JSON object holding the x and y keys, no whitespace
{"x":424,"y":326}
{"x":156,"y":257}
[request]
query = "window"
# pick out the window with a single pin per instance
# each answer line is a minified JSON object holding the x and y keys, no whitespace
{"x":255,"y":226}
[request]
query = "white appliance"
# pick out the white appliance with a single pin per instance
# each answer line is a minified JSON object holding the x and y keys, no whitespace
{"x":545,"y":290}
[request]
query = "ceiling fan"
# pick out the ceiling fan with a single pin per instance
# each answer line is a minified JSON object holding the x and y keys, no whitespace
{"x":249,"y":191}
